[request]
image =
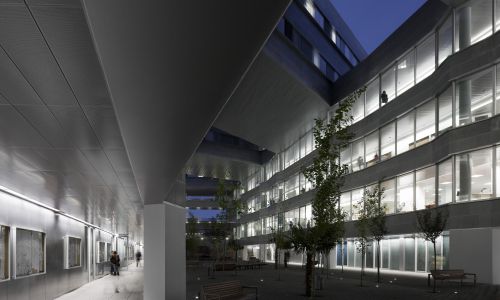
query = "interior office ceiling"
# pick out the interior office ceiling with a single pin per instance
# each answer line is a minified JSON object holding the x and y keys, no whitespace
{"x":271,"y":107}
{"x":170,"y":67}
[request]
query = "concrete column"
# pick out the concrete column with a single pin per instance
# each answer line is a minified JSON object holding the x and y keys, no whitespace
{"x":164,"y":252}
{"x":476,"y":251}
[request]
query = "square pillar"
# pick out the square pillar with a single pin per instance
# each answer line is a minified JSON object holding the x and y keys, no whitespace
{"x":164,"y":252}
{"x":476,"y":250}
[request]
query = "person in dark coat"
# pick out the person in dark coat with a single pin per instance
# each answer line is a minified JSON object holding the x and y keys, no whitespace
{"x":138,"y":256}
{"x":115,"y":263}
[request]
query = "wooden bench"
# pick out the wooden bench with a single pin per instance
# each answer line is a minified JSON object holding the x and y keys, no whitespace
{"x":449,"y":274}
{"x":224,"y":266}
{"x":226,"y":290}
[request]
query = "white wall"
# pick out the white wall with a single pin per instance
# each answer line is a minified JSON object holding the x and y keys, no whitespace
{"x":477,"y":251}
{"x":165,"y":251}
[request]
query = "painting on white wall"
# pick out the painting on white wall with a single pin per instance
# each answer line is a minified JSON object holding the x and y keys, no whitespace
{"x":4,"y":252}
{"x":30,"y":252}
{"x":108,"y":249}
{"x":101,"y":252}
{"x":72,"y":252}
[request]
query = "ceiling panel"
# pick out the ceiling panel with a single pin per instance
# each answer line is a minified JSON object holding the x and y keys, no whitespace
{"x":119,"y":160}
{"x":105,"y":125}
{"x":47,"y":125}
{"x":63,"y":160}
{"x":66,"y":31}
{"x":268,"y":88}
{"x":22,"y":40}
{"x":15,"y":131}
{"x":14,"y":88}
{"x":76,"y":126}
{"x":100,"y":162}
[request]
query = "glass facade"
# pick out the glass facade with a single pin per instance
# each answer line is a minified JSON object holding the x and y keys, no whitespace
{"x":406,"y":72}
{"x":426,"y":58}
{"x":468,"y":176}
{"x":470,"y":101}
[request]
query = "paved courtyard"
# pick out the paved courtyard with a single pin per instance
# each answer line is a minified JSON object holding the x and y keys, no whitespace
{"x":341,"y":285}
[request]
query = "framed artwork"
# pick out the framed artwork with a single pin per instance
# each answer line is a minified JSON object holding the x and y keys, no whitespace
{"x":29,"y":252}
{"x":101,"y":252}
{"x":4,"y":253}
{"x":72,"y":252}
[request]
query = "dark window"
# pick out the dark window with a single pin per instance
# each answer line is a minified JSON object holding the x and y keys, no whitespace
{"x":288,"y":30}
{"x":306,"y":48}
{"x":331,"y":73}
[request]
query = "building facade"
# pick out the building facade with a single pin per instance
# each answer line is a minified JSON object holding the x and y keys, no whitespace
{"x":432,"y":142}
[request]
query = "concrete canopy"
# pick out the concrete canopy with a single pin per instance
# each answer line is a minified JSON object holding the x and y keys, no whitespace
{"x":170,"y":67}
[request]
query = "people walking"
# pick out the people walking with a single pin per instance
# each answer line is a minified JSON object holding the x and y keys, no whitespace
{"x":138,"y":256}
{"x":115,"y":263}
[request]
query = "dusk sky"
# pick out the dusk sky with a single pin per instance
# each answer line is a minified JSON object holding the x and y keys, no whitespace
{"x":372,"y":21}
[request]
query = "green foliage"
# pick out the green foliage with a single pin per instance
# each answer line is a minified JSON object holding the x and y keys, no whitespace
{"x":230,"y":207}
{"x":431,"y":224}
{"x":192,"y":242}
{"x":327,"y":176}
{"x":326,"y":173}
{"x":373,"y":218}
{"x":375,"y":212}
{"x":280,"y":239}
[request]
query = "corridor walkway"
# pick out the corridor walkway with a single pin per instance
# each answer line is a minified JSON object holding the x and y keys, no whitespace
{"x":130,"y":286}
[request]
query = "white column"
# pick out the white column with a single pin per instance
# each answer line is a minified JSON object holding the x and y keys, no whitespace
{"x":164,"y":252}
{"x":477,"y":251}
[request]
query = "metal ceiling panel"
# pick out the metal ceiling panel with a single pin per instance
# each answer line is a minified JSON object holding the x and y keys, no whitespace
{"x":101,"y":163}
{"x":170,"y":72}
{"x":21,"y":39}
{"x":67,"y":33}
{"x":46,"y":124}
{"x":105,"y":125}
{"x":119,"y":160}
{"x":62,"y":160}
{"x":271,"y":108}
{"x":14,"y":88}
{"x":16,"y":131}
{"x":76,"y":126}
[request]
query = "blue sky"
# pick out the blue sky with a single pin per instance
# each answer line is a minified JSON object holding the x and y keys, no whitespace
{"x":372,"y":21}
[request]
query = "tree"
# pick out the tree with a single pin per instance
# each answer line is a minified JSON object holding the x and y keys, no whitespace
{"x":431,"y":226}
{"x":191,"y":238}
{"x":376,"y":214}
{"x":281,"y":241}
{"x":327,"y":176}
{"x":234,"y":245}
{"x":362,"y":226}
{"x":221,"y":226}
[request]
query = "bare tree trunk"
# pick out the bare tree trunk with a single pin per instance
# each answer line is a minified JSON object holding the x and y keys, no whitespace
{"x":435,"y":264}
{"x":378,"y":261}
{"x":362,"y":264}
{"x":309,"y":273}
